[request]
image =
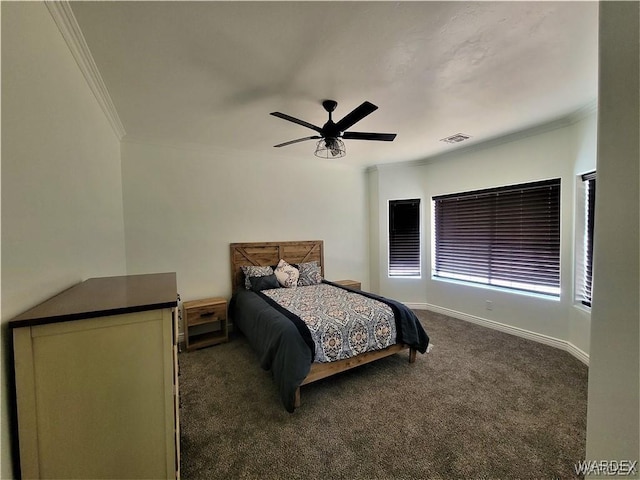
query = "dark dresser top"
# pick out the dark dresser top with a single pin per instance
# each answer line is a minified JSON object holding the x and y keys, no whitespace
{"x":99,"y":297}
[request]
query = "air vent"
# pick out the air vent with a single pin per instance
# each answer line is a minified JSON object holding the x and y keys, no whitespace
{"x":457,"y":138}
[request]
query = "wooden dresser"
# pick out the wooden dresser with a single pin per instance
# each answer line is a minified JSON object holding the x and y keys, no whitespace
{"x":96,"y":381}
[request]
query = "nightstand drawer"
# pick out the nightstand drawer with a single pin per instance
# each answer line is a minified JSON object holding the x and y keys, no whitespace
{"x":206,"y":314}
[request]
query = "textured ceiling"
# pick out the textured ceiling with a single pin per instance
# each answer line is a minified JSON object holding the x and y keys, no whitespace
{"x":209,"y":73}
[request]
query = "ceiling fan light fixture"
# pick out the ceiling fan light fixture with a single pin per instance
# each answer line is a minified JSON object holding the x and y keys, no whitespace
{"x":330,"y":148}
{"x":331,"y":133}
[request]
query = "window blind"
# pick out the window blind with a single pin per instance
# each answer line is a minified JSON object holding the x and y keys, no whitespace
{"x":589,"y":180}
{"x":404,"y":238}
{"x":505,"y":236}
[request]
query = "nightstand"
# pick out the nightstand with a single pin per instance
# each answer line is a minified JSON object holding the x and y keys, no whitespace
{"x":349,"y":283}
{"x":200,"y":316}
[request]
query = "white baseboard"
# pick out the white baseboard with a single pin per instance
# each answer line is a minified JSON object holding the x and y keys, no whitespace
{"x":578,"y":353}
{"x":519,"y":332}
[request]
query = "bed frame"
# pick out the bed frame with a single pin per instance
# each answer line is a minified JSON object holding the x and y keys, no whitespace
{"x":270,"y":253}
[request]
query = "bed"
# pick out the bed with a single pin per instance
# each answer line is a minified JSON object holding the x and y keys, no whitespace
{"x":280,"y":323}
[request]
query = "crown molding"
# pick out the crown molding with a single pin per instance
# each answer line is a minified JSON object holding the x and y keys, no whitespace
{"x":208,"y":149}
{"x":585,"y":111}
{"x":590,"y":108}
{"x":68,"y":25}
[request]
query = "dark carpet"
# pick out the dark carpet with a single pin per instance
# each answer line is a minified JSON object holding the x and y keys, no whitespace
{"x":481,"y":405}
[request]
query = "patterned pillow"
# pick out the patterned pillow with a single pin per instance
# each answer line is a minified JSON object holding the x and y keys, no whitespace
{"x":254,"y":271}
{"x":309,"y":274}
{"x":287,"y":274}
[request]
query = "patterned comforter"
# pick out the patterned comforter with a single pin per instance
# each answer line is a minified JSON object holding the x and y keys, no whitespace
{"x":342,"y":323}
{"x":285,"y":344}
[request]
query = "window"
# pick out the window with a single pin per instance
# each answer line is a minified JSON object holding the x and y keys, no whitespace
{"x":505,"y":237}
{"x":404,"y":238}
{"x":584,"y":267}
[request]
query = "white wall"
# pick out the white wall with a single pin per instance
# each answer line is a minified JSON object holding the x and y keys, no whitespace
{"x":614,"y":381}
{"x":62,"y":216}
{"x":584,"y":143}
{"x":374,"y":228}
{"x":184,"y":206}
{"x":517,"y":159}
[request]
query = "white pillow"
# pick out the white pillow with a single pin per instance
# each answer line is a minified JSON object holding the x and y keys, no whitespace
{"x":286,"y":274}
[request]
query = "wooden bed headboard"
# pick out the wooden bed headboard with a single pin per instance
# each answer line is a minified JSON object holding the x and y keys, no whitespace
{"x":270,"y":253}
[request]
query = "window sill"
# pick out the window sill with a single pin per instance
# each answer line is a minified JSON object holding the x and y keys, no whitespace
{"x":525,"y":293}
{"x":582,"y":308}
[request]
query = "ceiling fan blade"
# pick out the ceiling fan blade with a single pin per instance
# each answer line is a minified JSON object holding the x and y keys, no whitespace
{"x":383,"y":137}
{"x":356,"y":115}
{"x":284,"y":116}
{"x":298,"y":140}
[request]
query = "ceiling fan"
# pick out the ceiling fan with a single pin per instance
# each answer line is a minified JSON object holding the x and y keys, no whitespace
{"x":331,"y":133}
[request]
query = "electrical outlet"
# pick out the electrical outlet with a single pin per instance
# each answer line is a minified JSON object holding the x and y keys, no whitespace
{"x":489,"y":305}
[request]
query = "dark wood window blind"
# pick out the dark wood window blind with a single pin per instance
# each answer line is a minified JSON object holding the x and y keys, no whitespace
{"x":506,"y":236}
{"x":404,"y":238}
{"x":586,"y":272}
